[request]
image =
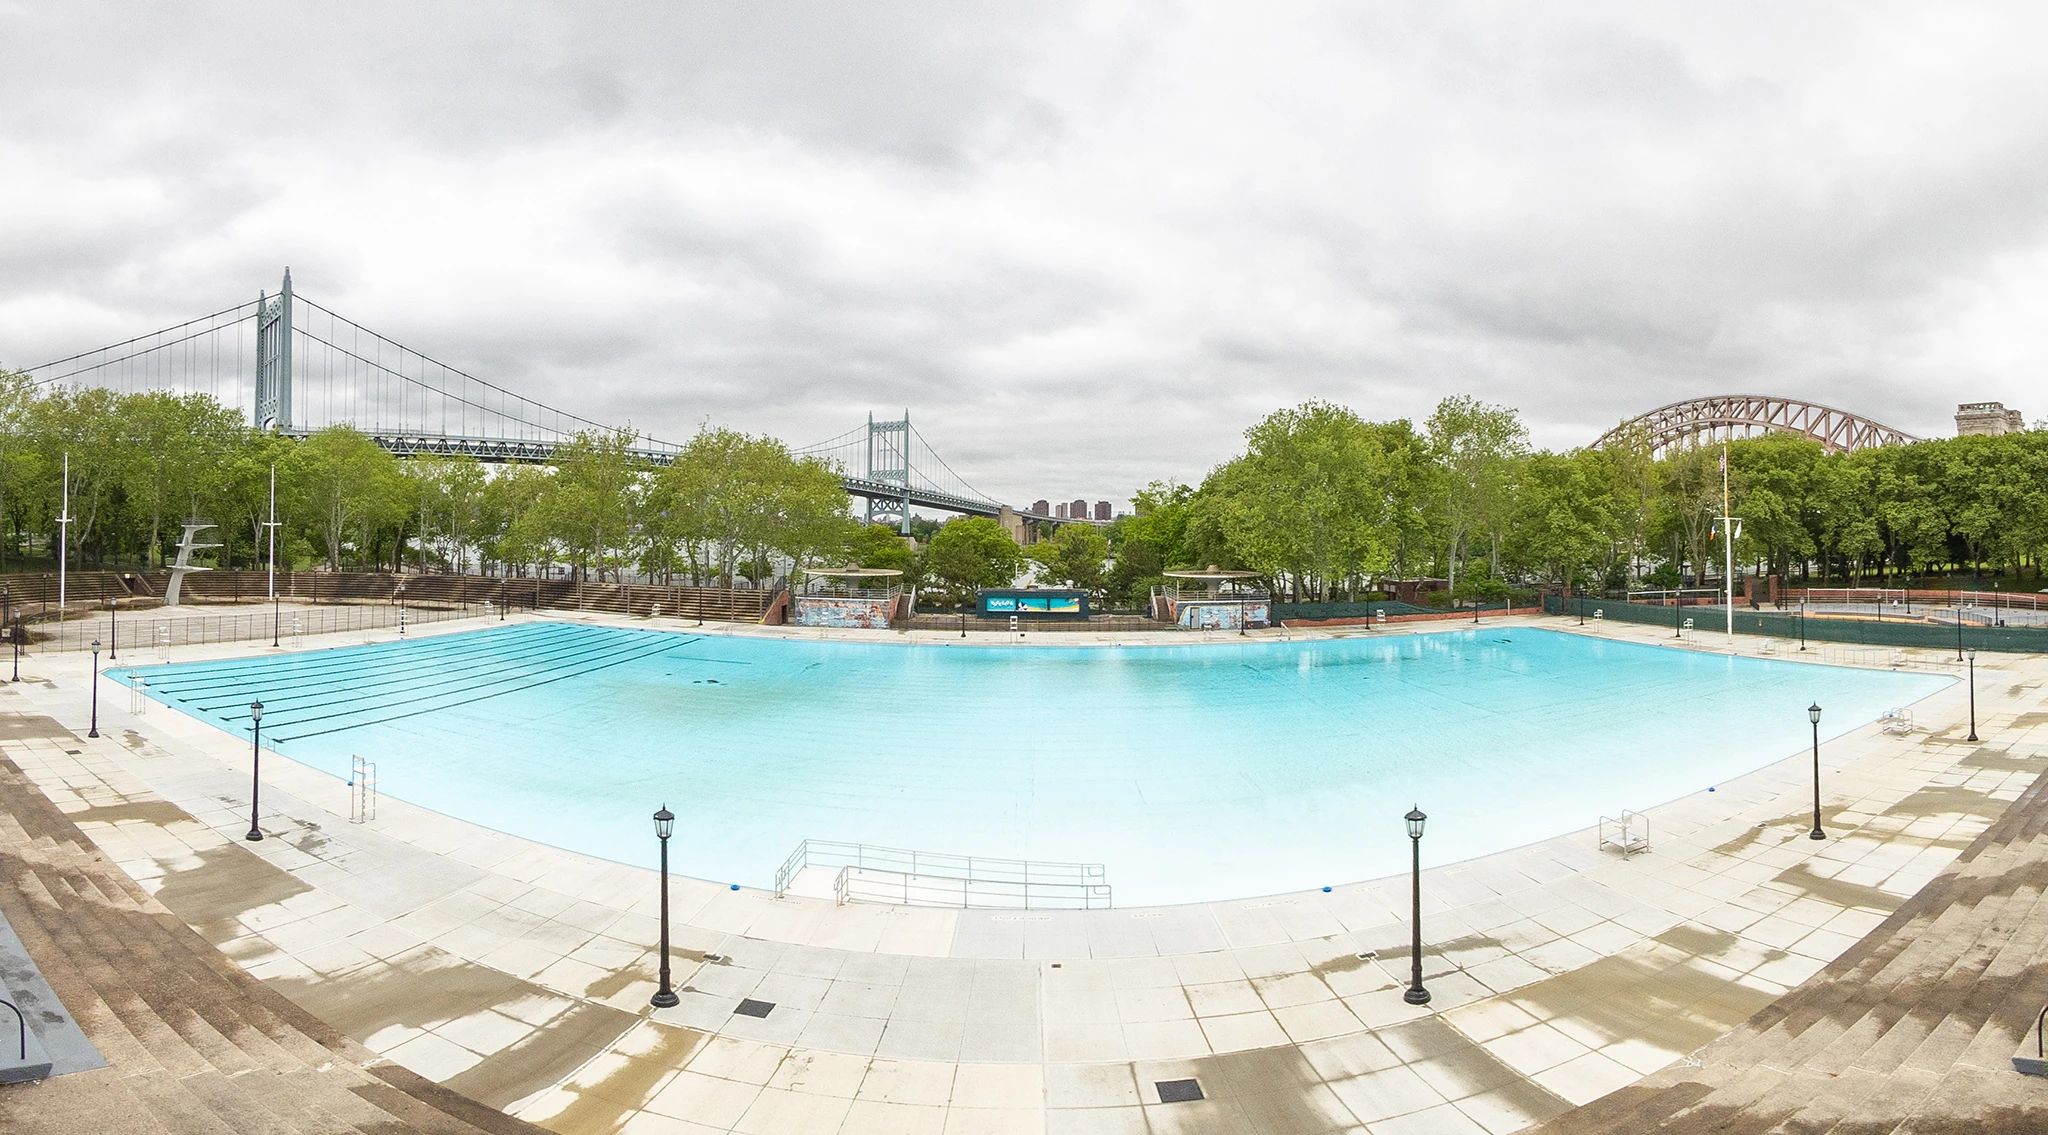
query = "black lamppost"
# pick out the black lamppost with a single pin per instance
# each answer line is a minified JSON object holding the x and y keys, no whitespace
{"x":255,"y":766}
{"x":1813,"y":715}
{"x":276,"y":611}
{"x":664,"y":826}
{"x":1677,"y":609}
{"x":113,"y":632}
{"x":1973,"y":694}
{"x":1582,"y":608}
{"x":1802,"y":624}
{"x":1416,"y":994}
{"x":963,"y":622}
{"x":15,"y":633}
{"x":1959,"y":631}
{"x":95,"y":730}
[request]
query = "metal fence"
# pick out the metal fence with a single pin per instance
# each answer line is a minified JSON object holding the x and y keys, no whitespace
{"x":865,"y":872}
{"x":1937,"y":628}
{"x":143,"y":633}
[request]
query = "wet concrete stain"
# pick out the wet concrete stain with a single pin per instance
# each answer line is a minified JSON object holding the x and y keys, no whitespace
{"x":161,"y":813}
{"x":1947,"y":800}
{"x":545,"y":1055}
{"x":2000,"y":760}
{"x":601,"y":1106}
{"x":1835,"y":891}
{"x":227,"y":883}
{"x":420,"y":994}
{"x":30,"y":727}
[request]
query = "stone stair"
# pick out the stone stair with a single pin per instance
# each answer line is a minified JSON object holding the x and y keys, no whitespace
{"x":193,"y":1043}
{"x":1911,"y":1030}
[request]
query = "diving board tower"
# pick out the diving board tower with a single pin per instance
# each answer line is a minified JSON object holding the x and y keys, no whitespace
{"x":272,"y":409}
{"x":186,"y":546}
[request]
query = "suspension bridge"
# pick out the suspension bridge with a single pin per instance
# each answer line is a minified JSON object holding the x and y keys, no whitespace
{"x":295,"y":366}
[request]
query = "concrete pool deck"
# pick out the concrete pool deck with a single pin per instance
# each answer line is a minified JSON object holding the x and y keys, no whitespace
{"x":519,"y":974}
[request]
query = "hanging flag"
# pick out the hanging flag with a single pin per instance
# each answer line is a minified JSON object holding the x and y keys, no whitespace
{"x":1724,"y":459}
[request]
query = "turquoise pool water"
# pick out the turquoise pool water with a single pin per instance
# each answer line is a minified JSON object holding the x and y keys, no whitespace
{"x":1192,"y":772}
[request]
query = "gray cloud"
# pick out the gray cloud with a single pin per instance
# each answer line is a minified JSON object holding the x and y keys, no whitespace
{"x":1085,"y":246}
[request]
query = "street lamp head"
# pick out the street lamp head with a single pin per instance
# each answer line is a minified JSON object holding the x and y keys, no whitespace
{"x":95,"y":649}
{"x":1813,"y":713}
{"x":1972,"y":652}
{"x":256,"y":711}
{"x":1415,"y":818}
{"x":664,"y":823}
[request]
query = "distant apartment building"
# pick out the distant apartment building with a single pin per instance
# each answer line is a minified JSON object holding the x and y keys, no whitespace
{"x":1060,"y":510}
{"x":1041,"y":508}
{"x":1987,"y":418}
{"x":1079,"y":511}
{"x":1102,"y":510}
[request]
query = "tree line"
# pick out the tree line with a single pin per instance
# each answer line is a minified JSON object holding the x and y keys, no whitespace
{"x":1322,"y":503}
{"x":730,"y":509}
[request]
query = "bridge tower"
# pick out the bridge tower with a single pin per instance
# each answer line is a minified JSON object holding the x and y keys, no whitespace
{"x":889,"y":463}
{"x":273,"y":406}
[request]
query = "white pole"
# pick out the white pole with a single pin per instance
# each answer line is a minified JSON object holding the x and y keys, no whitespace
{"x":272,"y":527}
{"x":1727,"y":545}
{"x":64,"y":535}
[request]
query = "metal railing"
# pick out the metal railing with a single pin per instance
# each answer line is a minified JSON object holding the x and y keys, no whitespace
{"x":1204,"y":595}
{"x":870,"y":873}
{"x":20,"y":1026}
{"x":140,"y":632}
{"x":850,"y":593}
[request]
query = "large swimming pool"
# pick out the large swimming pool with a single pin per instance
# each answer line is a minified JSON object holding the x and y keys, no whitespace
{"x":1192,"y":772}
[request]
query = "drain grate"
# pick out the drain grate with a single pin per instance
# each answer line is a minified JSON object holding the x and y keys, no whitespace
{"x":1178,"y":1091}
{"x":752,"y":1008}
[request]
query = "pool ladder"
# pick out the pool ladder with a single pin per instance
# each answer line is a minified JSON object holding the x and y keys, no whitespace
{"x":362,"y":790}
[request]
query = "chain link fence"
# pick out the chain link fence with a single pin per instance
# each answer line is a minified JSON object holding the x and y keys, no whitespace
{"x":1934,"y":629}
{"x":142,"y":633}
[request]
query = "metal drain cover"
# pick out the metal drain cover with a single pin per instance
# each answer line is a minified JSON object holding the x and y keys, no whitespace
{"x":752,"y":1008}
{"x":1178,"y":1091}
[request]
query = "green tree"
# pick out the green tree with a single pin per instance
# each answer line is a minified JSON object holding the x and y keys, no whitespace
{"x":589,"y":506}
{"x":1076,"y":555}
{"x":1476,"y":446}
{"x":344,"y":486}
{"x":1319,"y":497}
{"x":972,"y":553}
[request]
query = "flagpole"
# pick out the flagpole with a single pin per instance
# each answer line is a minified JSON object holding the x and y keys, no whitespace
{"x":1727,"y":545}
{"x":64,"y":535}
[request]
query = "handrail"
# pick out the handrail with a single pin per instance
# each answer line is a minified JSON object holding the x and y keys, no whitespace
{"x":20,"y":1025}
{"x":2039,"y":1052}
{"x":790,"y":866}
{"x":944,"y":879}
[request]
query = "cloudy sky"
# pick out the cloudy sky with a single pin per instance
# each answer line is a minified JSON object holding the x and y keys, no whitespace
{"x":1085,"y":245}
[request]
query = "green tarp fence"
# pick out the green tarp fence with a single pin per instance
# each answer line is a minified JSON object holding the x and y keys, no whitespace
{"x":1933,"y":632}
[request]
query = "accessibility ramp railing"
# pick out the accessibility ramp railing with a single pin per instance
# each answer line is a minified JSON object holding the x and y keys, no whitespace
{"x":865,"y":872}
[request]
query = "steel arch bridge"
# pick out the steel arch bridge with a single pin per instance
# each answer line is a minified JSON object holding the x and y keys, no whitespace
{"x":1719,"y":417}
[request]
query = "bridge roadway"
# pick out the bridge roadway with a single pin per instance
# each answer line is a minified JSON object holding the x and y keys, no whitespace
{"x":532,"y":451}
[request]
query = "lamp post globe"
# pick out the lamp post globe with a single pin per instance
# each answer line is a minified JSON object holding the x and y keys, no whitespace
{"x":94,"y":729}
{"x":255,"y":767}
{"x":1416,"y":994}
{"x":664,"y":826}
{"x":1813,"y":716}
